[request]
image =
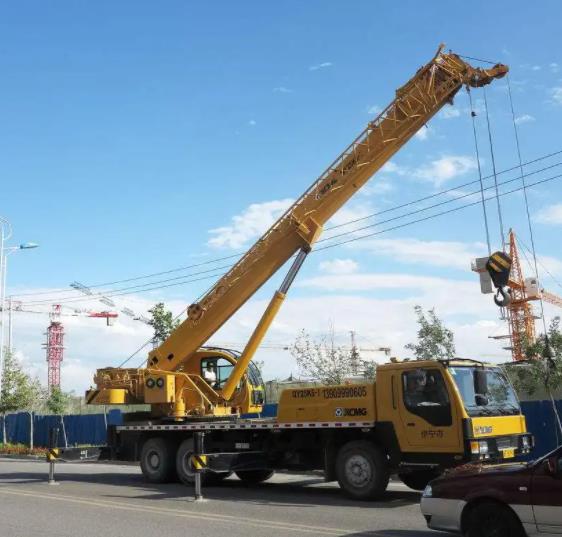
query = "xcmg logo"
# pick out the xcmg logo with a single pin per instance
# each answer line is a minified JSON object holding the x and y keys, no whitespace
{"x":344,"y":412}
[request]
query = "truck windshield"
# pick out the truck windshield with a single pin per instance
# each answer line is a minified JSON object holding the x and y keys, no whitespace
{"x":485,"y":391}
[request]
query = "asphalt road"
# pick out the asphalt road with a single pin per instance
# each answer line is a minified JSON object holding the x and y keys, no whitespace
{"x":114,"y":501}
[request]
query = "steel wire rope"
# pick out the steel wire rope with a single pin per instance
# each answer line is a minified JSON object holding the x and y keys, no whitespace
{"x":485,"y":212}
{"x":500,"y":216}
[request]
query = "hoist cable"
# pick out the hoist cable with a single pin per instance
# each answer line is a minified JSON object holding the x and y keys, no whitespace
{"x":473,"y":115}
{"x":500,"y":216}
{"x":525,"y":196}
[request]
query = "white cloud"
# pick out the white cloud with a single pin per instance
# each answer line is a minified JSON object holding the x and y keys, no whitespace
{"x":377,"y":186}
{"x":550,"y":215}
{"x":556,"y":95}
{"x":282,"y":89}
{"x":449,"y":112}
{"x":322,"y":65}
{"x":554,"y":67}
{"x":392,"y":167}
{"x":443,"y":169}
{"x":338,"y":266}
{"x":536,"y":68}
{"x":524,"y":118}
{"x":423,"y":133}
{"x":248,"y":225}
{"x":252,"y":123}
{"x":374,"y":110}
{"x":451,"y":254}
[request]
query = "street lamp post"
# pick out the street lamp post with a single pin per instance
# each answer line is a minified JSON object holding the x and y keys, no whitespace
{"x":5,"y":234}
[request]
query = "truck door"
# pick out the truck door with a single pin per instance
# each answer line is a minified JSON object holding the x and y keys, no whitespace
{"x":427,"y":416}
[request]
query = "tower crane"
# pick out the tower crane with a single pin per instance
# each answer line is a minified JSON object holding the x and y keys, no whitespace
{"x":54,"y":346}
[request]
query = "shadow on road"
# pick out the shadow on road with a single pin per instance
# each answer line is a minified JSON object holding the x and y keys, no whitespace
{"x":399,"y":533}
{"x":295,"y":493}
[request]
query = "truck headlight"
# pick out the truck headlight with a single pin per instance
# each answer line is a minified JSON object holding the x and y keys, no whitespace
{"x":526,"y":442}
{"x":483,"y":448}
{"x":427,"y":492}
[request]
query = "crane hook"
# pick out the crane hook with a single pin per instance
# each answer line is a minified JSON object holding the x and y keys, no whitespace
{"x":505,"y":295}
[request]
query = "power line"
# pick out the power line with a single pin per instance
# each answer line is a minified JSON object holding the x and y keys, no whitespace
{"x":419,"y":220}
{"x":378,"y":213}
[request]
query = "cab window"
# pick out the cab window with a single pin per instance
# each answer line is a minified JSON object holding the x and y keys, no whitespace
{"x":215,"y":371}
{"x":425,"y":395}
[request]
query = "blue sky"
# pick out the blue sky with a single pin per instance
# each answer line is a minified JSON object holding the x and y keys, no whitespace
{"x":134,"y":129}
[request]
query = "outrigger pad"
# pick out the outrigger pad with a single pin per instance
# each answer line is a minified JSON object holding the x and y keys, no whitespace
{"x":499,"y":269}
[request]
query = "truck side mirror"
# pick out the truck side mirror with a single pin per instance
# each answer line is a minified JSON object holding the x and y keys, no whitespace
{"x":480,"y":382}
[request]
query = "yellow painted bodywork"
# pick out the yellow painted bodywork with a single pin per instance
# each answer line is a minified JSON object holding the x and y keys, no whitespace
{"x":160,"y":388}
{"x":486,"y":426}
{"x":383,"y":401}
{"x":341,"y":403}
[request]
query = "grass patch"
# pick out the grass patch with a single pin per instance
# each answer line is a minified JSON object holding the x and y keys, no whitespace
{"x":21,"y":449}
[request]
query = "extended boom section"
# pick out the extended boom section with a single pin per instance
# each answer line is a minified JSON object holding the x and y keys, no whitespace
{"x":433,"y":86}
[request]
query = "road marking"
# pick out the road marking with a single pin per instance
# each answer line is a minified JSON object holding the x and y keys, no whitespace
{"x":226,"y":519}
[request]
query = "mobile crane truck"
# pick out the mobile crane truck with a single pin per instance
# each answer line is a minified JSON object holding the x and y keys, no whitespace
{"x":416,"y":419}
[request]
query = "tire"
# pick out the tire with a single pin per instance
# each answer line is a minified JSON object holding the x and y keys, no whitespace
{"x":184,"y":470}
{"x":492,"y":520}
{"x":362,"y":470}
{"x":253,"y":477}
{"x":418,"y":479}
{"x":157,"y":460}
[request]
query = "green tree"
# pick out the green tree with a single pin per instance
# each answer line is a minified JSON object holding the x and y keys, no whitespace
{"x":17,"y":389}
{"x":435,"y":341}
{"x":163,"y":323}
{"x":58,"y":403}
{"x":322,"y":360}
{"x":541,"y":372}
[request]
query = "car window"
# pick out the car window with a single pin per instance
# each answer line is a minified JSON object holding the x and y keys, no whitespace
{"x":425,"y":394}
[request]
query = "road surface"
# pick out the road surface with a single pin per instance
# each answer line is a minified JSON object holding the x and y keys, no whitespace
{"x":113,"y":500}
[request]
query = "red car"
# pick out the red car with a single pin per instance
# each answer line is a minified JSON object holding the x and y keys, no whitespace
{"x":503,"y":500}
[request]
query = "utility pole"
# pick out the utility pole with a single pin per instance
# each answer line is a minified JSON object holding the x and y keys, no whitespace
{"x":10,"y":325}
{"x":354,"y":354}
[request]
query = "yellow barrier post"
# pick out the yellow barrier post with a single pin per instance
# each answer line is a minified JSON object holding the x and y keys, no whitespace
{"x":199,"y":463}
{"x":52,"y":454}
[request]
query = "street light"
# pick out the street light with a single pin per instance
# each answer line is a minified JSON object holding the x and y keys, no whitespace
{"x":5,"y":234}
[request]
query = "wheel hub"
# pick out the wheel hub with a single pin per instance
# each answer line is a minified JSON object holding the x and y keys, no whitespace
{"x":154,"y":460}
{"x":358,"y":471}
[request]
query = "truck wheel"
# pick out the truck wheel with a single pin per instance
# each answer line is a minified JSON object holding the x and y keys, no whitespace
{"x":253,"y":477}
{"x":362,"y":470}
{"x":157,"y":460}
{"x":184,"y":470}
{"x":418,"y":479}
{"x":491,"y":519}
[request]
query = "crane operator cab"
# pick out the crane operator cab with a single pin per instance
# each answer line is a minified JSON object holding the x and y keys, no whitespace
{"x":214,"y":366}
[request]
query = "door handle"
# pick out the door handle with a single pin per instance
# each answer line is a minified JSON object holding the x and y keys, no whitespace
{"x":411,"y":424}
